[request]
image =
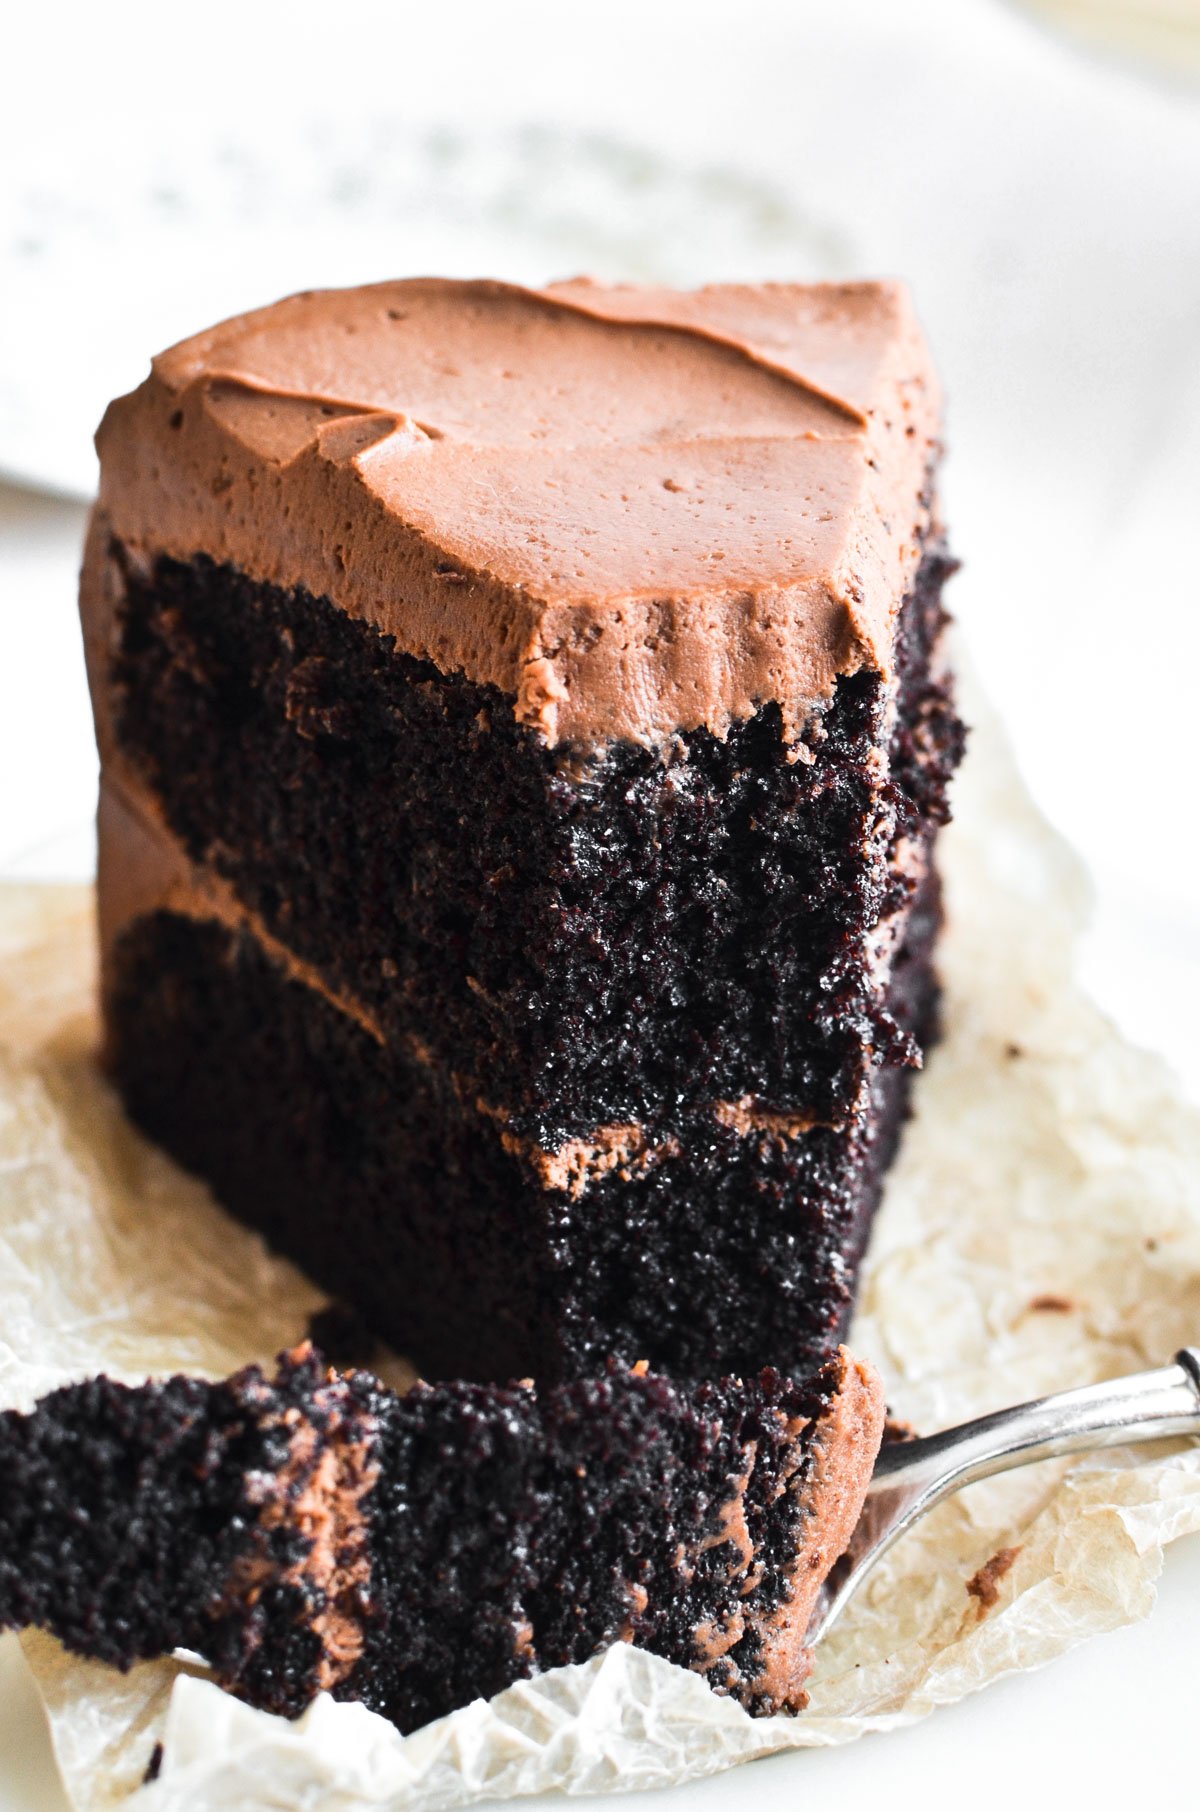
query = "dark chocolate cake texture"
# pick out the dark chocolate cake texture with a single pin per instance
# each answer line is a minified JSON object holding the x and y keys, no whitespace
{"x":524,"y":733}
{"x":316,"y":1532}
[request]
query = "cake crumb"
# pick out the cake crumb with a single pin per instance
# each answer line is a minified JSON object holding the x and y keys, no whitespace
{"x":984,"y":1586}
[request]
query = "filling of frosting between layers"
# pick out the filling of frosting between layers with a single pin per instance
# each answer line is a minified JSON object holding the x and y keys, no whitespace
{"x":632,"y":511}
{"x":144,"y":870}
{"x":321,"y":1493}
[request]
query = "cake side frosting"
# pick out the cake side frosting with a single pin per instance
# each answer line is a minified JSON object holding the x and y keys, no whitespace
{"x":633,"y":511}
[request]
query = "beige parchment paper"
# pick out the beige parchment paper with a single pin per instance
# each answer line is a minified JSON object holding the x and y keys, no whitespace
{"x":1041,"y":1230}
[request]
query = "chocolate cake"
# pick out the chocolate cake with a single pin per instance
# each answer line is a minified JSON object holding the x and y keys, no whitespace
{"x":315,"y":1531}
{"x":524,"y":732}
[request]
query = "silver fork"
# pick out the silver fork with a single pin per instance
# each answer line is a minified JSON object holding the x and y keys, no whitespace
{"x":912,"y":1476}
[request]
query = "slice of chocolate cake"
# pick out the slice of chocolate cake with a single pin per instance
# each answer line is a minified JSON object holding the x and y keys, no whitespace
{"x":524,"y":734}
{"x":317,"y":1532}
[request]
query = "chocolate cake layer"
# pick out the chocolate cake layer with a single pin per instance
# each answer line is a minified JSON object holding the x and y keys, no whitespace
{"x":697,"y":1248}
{"x":524,"y":732}
{"x":581,"y":942}
{"x":317,"y":1532}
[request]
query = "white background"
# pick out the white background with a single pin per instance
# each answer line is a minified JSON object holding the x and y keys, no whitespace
{"x":1046,"y":207}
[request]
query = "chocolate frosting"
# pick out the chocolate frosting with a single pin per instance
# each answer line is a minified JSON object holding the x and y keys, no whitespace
{"x":845,"y":1445}
{"x":634,"y":511}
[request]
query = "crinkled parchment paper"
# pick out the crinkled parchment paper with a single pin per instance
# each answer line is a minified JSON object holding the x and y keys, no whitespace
{"x":1042,"y":1229}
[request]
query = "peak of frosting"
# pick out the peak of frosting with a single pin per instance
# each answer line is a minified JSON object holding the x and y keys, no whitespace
{"x":634,"y":510}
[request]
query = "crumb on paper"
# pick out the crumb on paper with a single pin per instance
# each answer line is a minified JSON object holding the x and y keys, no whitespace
{"x":984,"y":1586}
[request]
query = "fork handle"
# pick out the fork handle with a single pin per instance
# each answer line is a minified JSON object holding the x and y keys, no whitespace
{"x":1147,"y":1406}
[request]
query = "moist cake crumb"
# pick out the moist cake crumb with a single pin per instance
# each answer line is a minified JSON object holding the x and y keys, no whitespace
{"x":315,"y":1531}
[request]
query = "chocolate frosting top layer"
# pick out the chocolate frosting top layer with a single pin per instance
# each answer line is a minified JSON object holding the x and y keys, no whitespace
{"x":633,"y":510}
